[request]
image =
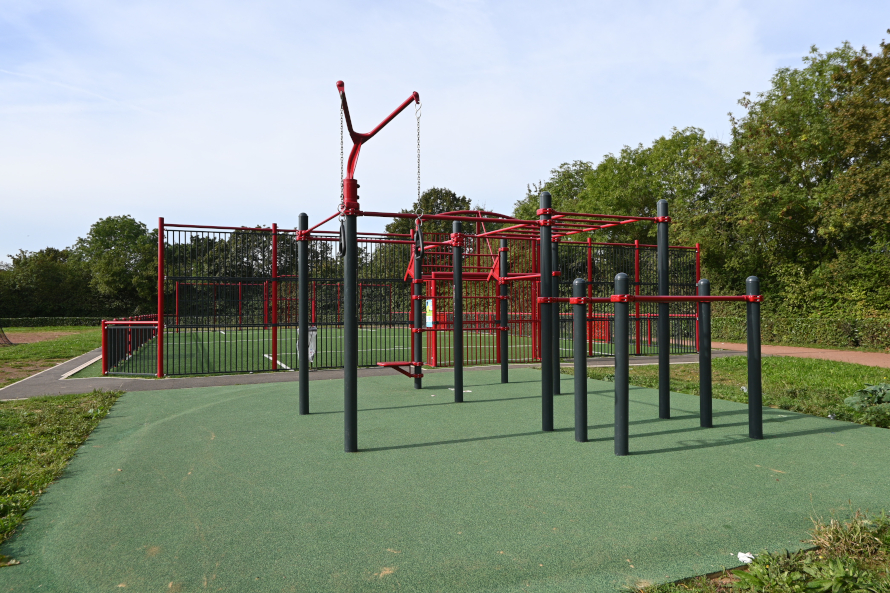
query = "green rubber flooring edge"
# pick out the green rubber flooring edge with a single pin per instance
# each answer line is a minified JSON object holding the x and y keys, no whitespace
{"x":229,"y":489}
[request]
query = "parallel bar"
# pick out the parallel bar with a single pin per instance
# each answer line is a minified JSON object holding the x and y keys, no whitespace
{"x":755,"y":387}
{"x":505,"y":322}
{"x":622,"y":369}
{"x":303,"y":315}
{"x":704,"y":357}
{"x":350,"y":337}
{"x":579,"y":352}
{"x":546,"y":322}
{"x":274,"y":296}
{"x":160,"y":297}
{"x":664,"y":322}
{"x":457,"y":253}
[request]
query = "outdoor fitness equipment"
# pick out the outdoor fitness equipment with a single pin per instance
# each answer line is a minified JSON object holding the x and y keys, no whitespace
{"x":349,"y":210}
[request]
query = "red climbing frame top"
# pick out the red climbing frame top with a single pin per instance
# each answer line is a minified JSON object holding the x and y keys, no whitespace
{"x":350,"y":186}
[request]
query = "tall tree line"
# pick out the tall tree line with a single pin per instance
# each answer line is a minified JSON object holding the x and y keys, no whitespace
{"x":110,"y":272}
{"x":799,"y":196}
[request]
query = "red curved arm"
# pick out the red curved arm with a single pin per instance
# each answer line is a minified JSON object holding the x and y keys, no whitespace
{"x":358,"y":138}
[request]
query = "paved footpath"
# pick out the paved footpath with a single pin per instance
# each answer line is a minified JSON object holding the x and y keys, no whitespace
{"x":872,"y":359}
{"x":53,"y":382}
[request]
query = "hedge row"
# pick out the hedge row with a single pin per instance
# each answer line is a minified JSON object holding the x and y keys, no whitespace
{"x":829,"y":333}
{"x":50,"y":321}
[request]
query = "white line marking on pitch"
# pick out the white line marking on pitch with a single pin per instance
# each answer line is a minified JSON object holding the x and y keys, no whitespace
{"x":281,"y":364}
{"x":222,"y":332}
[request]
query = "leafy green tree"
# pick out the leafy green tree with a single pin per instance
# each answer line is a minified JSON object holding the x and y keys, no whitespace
{"x":47,"y":283}
{"x":121,"y":254}
{"x":566,"y":183}
{"x":858,"y":212}
{"x":435,"y":200}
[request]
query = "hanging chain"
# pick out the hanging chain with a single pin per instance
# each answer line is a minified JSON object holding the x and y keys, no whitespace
{"x":417,"y":115}
{"x":341,"y":156}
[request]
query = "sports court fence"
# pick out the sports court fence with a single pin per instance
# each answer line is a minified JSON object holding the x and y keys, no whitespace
{"x":229,"y":301}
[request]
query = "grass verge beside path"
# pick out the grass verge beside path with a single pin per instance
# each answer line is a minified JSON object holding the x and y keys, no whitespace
{"x":806,"y":385}
{"x":23,"y":360}
{"x":38,"y":437}
{"x":850,"y":555}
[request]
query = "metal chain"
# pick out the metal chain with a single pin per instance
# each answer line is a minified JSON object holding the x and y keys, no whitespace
{"x":341,"y":154}
{"x":417,"y":115}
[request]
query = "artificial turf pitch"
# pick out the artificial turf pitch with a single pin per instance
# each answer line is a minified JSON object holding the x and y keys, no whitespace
{"x":228,"y":489}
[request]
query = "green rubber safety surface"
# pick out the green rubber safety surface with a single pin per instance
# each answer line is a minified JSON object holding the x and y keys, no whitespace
{"x":229,"y":489}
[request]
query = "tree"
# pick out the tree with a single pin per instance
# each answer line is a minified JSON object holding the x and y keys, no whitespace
{"x":47,"y":283}
{"x":565,"y":185}
{"x":436,"y":200}
{"x":858,"y":211}
{"x":121,"y":254}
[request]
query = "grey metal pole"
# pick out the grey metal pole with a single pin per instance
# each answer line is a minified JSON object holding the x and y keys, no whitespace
{"x":350,"y":336}
{"x":664,"y":311}
{"x":303,"y":314}
{"x":705,"y":394}
{"x":546,"y":320}
{"x":503,"y":334}
{"x":418,"y":312}
{"x":622,"y":367}
{"x":457,"y":253}
{"x":554,"y":291}
{"x":755,"y":388}
{"x":579,"y":354}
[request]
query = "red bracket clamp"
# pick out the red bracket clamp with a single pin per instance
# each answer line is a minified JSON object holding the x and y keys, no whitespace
{"x":415,"y":330}
{"x":577,"y":300}
{"x":545,"y":223}
{"x":302,"y":235}
{"x":458,"y":240}
{"x":416,"y":281}
{"x":662,"y":219}
{"x":547,"y":300}
{"x":502,"y":297}
{"x":503,"y":249}
{"x":501,"y":328}
{"x":620,"y":298}
{"x":556,"y":273}
{"x":754,"y":298}
{"x":548,"y":211}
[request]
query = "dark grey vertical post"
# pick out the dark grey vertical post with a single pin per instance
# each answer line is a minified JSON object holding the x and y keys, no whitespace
{"x":418,"y":310}
{"x":622,"y":367}
{"x":546,"y":320}
{"x":554,"y":291}
{"x":755,"y":392}
{"x":664,"y":319}
{"x":704,"y":357}
{"x":503,"y":335}
{"x":457,"y":253}
{"x":303,"y":301}
{"x":350,"y":336}
{"x":579,"y":355}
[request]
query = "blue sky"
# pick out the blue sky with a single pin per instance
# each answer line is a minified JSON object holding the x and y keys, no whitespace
{"x":227,"y":112}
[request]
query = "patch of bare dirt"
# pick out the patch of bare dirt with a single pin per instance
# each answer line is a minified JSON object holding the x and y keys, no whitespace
{"x":13,"y":371}
{"x":31,"y":337}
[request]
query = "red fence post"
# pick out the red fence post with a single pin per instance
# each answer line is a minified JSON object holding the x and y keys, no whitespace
{"x":104,"y":351}
{"x":160,"y":297}
{"x":274,"y":296}
{"x":637,"y":292}
{"x":697,"y":278}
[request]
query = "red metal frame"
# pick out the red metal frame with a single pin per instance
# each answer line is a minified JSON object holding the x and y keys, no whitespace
{"x":350,"y":185}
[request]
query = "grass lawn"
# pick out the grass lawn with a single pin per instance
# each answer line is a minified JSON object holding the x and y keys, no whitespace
{"x":23,"y":360}
{"x":810,"y":386}
{"x":38,"y":437}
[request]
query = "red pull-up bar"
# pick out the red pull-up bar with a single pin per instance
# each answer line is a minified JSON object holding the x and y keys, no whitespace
{"x":350,"y":185}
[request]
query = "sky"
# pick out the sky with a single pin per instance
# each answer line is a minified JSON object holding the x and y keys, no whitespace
{"x":227,"y":113}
